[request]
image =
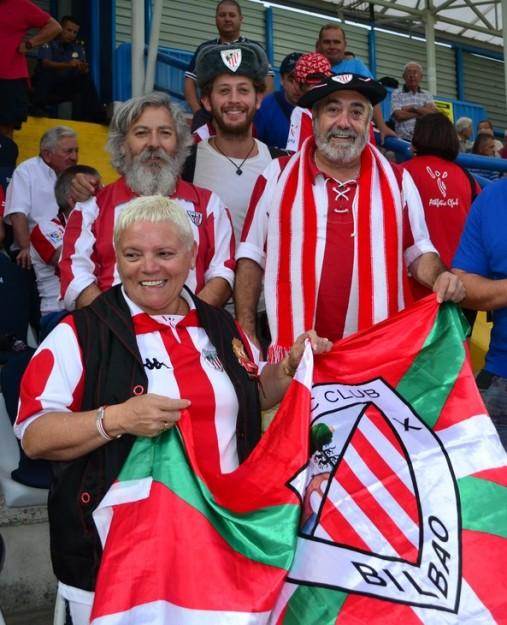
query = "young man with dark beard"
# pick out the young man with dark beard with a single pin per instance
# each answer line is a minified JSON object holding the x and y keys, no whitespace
{"x":148,"y":142}
{"x":231,"y":78}
{"x":328,"y":228}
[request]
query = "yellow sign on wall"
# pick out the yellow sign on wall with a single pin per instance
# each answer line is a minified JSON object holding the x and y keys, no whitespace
{"x":447,"y":108}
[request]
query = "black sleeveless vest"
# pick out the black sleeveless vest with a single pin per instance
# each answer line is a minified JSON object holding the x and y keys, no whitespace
{"x":114,"y":372}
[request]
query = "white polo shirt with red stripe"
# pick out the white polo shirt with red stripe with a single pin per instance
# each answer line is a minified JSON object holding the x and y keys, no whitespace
{"x":88,"y":254}
{"x":46,"y":238}
{"x":31,"y":191}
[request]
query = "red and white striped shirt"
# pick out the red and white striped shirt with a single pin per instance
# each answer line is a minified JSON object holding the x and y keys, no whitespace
{"x":266,"y":238}
{"x":46,"y":238}
{"x":180,"y":362}
{"x":88,"y":254}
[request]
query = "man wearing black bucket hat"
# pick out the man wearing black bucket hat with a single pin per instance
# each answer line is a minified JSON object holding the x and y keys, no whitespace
{"x":231,"y":78}
{"x":331,"y":227}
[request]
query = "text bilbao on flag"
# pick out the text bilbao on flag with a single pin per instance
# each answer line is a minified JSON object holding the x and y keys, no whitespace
{"x":405,"y":510}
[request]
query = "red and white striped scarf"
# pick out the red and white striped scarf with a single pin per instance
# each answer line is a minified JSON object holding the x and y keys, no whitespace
{"x":297,"y":238}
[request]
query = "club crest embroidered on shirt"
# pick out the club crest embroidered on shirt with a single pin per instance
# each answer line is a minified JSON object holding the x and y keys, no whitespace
{"x":408,"y":547}
{"x":195,"y":217}
{"x":56,"y":237}
{"x":211,"y":357}
{"x":231,"y":58}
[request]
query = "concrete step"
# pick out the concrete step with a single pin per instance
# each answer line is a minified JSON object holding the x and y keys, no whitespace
{"x":32,"y":617}
{"x":26,"y":580}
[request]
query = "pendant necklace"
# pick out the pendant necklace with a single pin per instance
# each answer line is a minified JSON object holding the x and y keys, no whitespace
{"x":239,"y":171}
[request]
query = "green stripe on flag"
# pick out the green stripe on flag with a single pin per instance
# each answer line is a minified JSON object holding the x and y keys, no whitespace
{"x":483,"y":506}
{"x":316,"y":605}
{"x":431,"y":377}
{"x":266,"y":535}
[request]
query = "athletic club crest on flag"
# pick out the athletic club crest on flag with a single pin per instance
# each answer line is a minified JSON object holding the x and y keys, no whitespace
{"x":367,"y":472}
{"x":231,"y":58}
{"x":375,"y":498}
{"x":404,"y":505}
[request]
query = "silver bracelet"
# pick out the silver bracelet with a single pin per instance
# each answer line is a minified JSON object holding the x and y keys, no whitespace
{"x":99,"y":422}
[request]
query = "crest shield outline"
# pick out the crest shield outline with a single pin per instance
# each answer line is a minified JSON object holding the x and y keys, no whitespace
{"x":434,"y":579}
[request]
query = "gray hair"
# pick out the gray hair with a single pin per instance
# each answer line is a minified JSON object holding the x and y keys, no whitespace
{"x":155,"y":209}
{"x":418,"y":65}
{"x":463,"y":123}
{"x":50,"y":138}
{"x":130,"y":111}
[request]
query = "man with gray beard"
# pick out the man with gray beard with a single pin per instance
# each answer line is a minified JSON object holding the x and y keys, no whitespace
{"x":333,"y":228}
{"x":148,"y":141}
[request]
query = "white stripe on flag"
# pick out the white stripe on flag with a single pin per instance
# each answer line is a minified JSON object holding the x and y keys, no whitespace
{"x":368,"y":532}
{"x":382,"y":496}
{"x":288,"y":589}
{"x":165,"y":613}
{"x":473,"y":445}
{"x":120,"y":492}
{"x":471,"y":611}
{"x":304,"y":372}
{"x":388,"y":452}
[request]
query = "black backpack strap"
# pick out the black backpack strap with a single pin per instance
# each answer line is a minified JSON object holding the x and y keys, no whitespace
{"x":276,"y":152}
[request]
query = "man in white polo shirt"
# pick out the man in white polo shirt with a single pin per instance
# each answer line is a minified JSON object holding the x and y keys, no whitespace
{"x":30,"y":196}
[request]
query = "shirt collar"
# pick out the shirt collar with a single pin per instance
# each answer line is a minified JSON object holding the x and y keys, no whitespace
{"x":49,"y":170}
{"x":314,"y":168}
{"x":407,"y":90}
{"x":190,"y":319}
{"x":240,"y":39}
{"x":316,"y":171}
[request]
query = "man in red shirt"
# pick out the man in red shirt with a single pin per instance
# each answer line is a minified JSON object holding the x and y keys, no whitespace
{"x":148,"y":143}
{"x":16,"y":18}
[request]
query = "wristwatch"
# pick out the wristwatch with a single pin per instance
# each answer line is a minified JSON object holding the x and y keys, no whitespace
{"x":28,"y":44}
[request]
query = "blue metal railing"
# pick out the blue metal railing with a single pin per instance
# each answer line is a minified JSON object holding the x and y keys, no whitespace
{"x":169,"y":73}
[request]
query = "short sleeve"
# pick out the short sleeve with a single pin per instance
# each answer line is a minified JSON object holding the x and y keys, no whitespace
{"x":471,"y":253}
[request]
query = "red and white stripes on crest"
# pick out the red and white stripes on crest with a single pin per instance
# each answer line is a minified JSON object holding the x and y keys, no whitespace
{"x":371,"y":502}
{"x":297,"y":239}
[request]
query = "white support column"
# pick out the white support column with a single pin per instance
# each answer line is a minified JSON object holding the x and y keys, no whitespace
{"x":153,"y":46}
{"x":504,"y":19}
{"x":431,"y":63}
{"x":137,"y":47}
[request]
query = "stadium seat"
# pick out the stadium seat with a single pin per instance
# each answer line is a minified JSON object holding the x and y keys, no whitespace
{"x":15,"y":493}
